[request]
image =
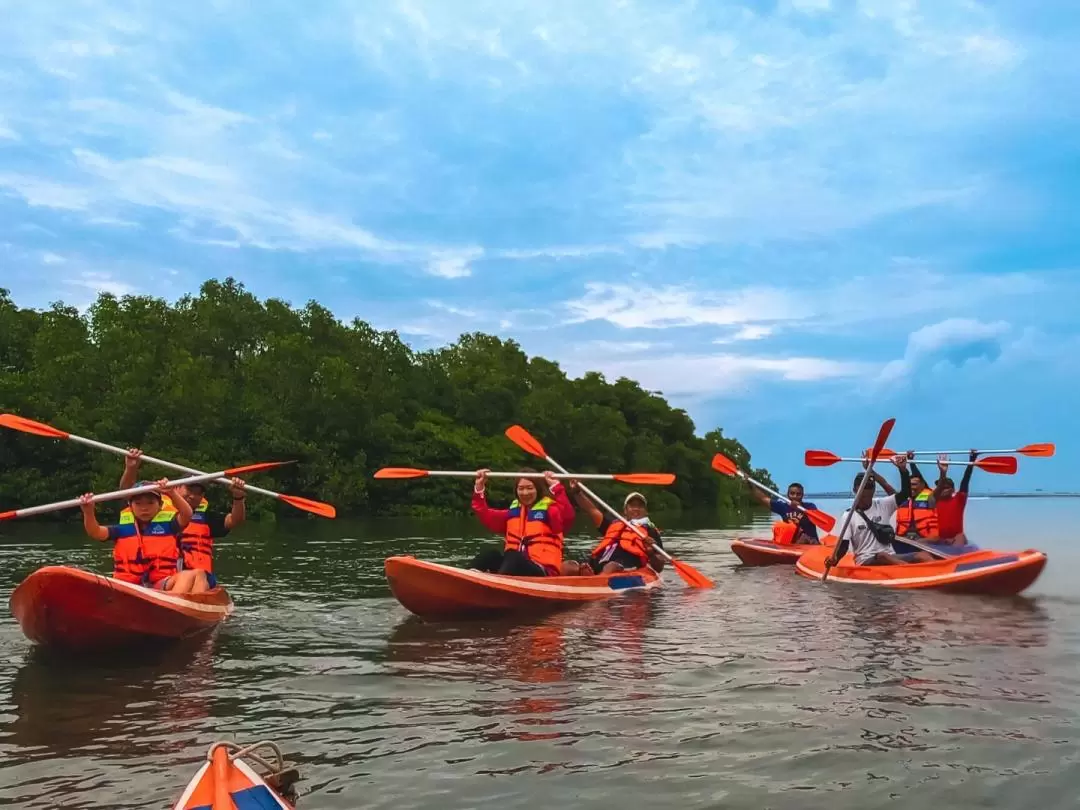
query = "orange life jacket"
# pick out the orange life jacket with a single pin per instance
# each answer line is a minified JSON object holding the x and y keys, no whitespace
{"x":145,"y":558}
{"x":196,"y":542}
{"x":619,"y":535}
{"x":783,"y":532}
{"x":529,"y":531}
{"x":918,"y":516}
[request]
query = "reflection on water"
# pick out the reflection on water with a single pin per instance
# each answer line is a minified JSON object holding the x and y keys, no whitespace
{"x":767,"y":691}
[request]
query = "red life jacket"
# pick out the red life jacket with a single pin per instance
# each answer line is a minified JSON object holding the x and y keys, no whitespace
{"x":918,"y":516}
{"x":145,"y":558}
{"x":783,"y":532}
{"x":196,"y":541}
{"x":619,"y":535}
{"x":529,"y":531}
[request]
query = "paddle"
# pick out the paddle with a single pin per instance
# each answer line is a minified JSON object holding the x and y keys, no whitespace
{"x":120,"y":494}
{"x":1001,"y":465}
{"x":723,"y":464}
{"x":875,"y":454}
{"x":659,"y":479}
{"x":527,"y":442}
{"x":1045,"y":450}
{"x":10,"y":420}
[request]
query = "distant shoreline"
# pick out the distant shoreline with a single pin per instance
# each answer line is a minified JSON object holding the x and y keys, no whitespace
{"x":844,"y":495}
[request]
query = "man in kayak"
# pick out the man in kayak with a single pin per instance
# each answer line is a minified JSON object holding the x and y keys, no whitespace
{"x":197,"y":539}
{"x":534,"y":527}
{"x":794,"y":527}
{"x":146,"y":541}
{"x":869,"y":531}
{"x":917,"y":516}
{"x":952,"y":502}
{"x":620,"y":547}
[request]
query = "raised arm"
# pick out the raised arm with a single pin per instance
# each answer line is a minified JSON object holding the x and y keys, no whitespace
{"x":493,"y":519}
{"x":558,"y":494}
{"x":878,"y":478}
{"x":94,"y":530}
{"x":131,"y":468}
{"x":238,"y":513}
{"x":760,"y":496}
{"x":182,"y":507}
{"x":965,"y":482}
{"x":585,"y":504}
{"x":905,"y":480}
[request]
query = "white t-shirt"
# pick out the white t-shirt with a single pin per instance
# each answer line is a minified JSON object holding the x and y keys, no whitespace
{"x":863,"y":543}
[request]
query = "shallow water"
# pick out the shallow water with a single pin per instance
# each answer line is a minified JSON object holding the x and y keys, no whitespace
{"x":769,"y":691}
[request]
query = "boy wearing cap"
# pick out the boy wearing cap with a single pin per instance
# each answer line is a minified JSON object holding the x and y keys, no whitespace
{"x":621,"y":548}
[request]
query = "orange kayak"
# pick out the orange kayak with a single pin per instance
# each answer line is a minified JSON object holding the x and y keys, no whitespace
{"x":766,"y":552}
{"x":994,"y":573}
{"x":58,"y":606}
{"x":438,"y":591}
{"x":227,"y":781}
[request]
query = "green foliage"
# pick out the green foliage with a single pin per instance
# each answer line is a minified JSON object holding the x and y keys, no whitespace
{"x":223,"y":378}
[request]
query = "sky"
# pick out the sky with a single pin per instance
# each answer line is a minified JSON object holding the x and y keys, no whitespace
{"x":794,"y":218}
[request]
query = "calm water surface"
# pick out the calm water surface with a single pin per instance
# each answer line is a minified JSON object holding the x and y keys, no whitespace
{"x":769,"y":691}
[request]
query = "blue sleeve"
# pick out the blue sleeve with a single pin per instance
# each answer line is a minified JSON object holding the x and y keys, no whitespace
{"x":114,"y":533}
{"x":778,"y":507}
{"x":175,"y":528}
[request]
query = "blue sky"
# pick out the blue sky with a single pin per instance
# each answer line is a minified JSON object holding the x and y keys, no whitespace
{"x":793,"y":217}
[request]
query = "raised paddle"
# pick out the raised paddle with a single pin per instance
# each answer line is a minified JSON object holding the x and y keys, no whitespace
{"x":640,"y":479}
{"x":127,"y":493}
{"x":723,"y":464}
{"x":1001,"y":465}
{"x":874,"y":455}
{"x":10,"y":420}
{"x":527,"y":442}
{"x":1045,"y":450}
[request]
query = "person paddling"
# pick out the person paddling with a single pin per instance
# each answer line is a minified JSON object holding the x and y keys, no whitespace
{"x":533,"y":526}
{"x":206,"y":526}
{"x":146,"y":541}
{"x":794,"y":527}
{"x":620,"y":547}
{"x":869,"y":531}
{"x":952,"y":502}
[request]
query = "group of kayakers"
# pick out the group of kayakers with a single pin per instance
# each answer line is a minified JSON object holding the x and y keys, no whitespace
{"x":164,"y":538}
{"x":920,"y":513}
{"x":535,"y":524}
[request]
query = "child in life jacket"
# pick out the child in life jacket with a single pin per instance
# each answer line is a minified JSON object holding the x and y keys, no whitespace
{"x":146,"y":541}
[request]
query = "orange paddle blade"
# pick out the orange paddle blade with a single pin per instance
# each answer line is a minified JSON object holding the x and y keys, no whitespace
{"x":8,"y":515}
{"x":1002,"y":465}
{"x":884,"y":452}
{"x":878,"y":450}
{"x":315,"y":507}
{"x":1037,"y":450}
{"x":400,"y":472}
{"x":691,"y":576}
{"x":821,"y":520}
{"x":656,"y":479}
{"x":10,"y":420}
{"x":525,"y":440}
{"x":724,"y":465}
{"x":265,"y":465}
{"x":821,"y":458}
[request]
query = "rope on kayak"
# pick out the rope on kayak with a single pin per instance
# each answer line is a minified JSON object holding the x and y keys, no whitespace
{"x":279,"y":775}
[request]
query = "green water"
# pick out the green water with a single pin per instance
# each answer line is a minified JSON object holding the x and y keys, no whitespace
{"x":769,"y":691}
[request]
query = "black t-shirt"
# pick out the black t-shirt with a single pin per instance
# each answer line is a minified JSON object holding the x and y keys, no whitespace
{"x":651,"y":530}
{"x":216,"y":522}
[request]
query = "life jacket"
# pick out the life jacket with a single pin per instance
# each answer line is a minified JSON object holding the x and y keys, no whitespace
{"x":196,"y":542}
{"x":619,"y":535}
{"x":529,"y":531}
{"x":918,"y":516}
{"x":783,"y":532}
{"x":145,"y":558}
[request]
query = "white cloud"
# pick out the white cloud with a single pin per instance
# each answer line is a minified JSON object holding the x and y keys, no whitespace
{"x":41,"y":193}
{"x":52,"y":258}
{"x":952,"y":342}
{"x":99,"y":282}
{"x":6,"y":132}
{"x":748,"y":332}
{"x":453,"y":264}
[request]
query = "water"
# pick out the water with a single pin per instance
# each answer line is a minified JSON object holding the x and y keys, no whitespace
{"x":769,"y":691}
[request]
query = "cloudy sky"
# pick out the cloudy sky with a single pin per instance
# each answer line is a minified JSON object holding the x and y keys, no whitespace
{"x":793,"y":217}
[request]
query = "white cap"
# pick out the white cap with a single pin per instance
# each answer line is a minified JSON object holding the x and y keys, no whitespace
{"x":631,"y":497}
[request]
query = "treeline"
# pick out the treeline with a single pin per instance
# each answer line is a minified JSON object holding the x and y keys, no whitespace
{"x":223,"y":378}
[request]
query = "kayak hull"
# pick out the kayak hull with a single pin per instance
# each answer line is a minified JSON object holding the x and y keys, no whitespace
{"x":435,"y":591}
{"x":757,"y":552}
{"x":227,"y":781}
{"x":69,"y":608}
{"x":991,"y":573}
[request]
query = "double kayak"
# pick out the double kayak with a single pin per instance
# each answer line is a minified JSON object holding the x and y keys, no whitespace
{"x":756,"y":552}
{"x":229,"y":780}
{"x":993,"y":573}
{"x":63,"y":607}
{"x":436,"y":591}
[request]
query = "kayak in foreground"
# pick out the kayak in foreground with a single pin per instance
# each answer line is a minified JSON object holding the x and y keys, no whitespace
{"x":436,"y":591}
{"x":994,"y":573}
{"x":58,"y":606}
{"x":228,"y":780}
